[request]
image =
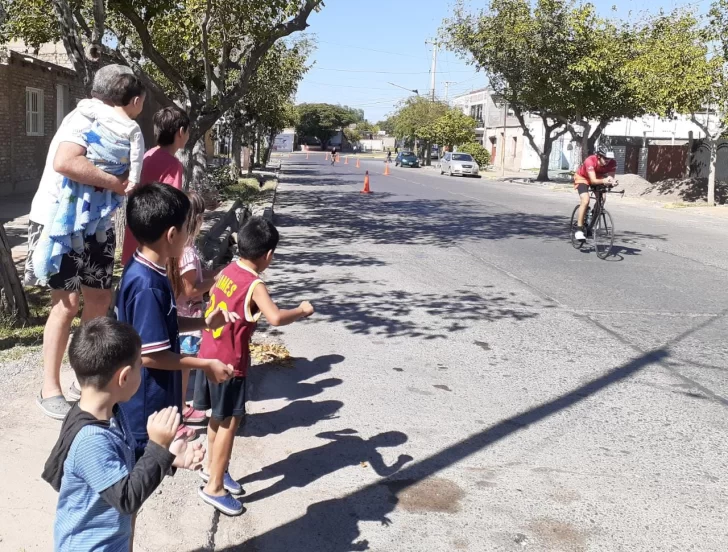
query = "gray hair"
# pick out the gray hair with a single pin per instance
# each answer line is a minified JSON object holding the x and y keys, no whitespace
{"x":105,"y":78}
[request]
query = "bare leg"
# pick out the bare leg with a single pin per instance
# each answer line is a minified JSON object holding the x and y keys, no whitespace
{"x":95,"y":303}
{"x":185,"y":383}
{"x":584,"y":199}
{"x":212,"y":427}
{"x":222,"y":448}
{"x":64,"y":307}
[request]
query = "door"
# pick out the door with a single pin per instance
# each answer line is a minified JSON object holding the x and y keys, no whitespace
{"x":62,"y":103}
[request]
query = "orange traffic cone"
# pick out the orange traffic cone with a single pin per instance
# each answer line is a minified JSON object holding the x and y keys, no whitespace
{"x":366,"y":189}
{"x":307,"y":155}
{"x":357,"y":162}
{"x":386,"y":169}
{"x":338,"y":158}
{"x":346,"y":160}
{"x":327,"y":156}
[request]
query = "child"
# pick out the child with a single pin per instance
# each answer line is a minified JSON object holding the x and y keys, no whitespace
{"x":157,"y":216}
{"x":101,"y":485}
{"x":238,"y":289}
{"x":116,"y":145}
{"x":189,"y":283}
{"x":171,"y":128}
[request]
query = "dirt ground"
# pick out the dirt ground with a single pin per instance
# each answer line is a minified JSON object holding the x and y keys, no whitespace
{"x":673,"y":190}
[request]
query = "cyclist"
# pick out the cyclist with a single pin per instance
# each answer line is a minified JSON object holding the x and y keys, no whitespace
{"x":333,"y":155}
{"x":598,"y":169}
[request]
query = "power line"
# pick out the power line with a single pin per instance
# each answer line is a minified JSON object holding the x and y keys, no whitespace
{"x":367,"y":49}
{"x":345,"y":85}
{"x":380,"y":72}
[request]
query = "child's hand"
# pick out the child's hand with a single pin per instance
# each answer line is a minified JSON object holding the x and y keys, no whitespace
{"x":129,"y":187}
{"x":162,"y":426}
{"x":218,"y":372}
{"x":307,"y":308}
{"x":189,"y":456}
{"x":219,"y":317}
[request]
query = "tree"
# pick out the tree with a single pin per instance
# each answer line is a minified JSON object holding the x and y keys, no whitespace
{"x":265,"y":108}
{"x":201,"y":54}
{"x":322,"y":121}
{"x":479,"y":153}
{"x":387,"y":125}
{"x":414,"y":121}
{"x":675,"y":72}
{"x":506,"y":41}
{"x":554,"y":60}
{"x":453,"y":128}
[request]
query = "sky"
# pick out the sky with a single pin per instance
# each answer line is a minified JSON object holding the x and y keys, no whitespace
{"x":364,"y":45}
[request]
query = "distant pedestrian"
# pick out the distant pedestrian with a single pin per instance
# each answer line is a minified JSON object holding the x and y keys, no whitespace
{"x":389,"y":155}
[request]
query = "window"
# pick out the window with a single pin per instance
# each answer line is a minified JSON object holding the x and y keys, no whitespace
{"x":33,"y":112}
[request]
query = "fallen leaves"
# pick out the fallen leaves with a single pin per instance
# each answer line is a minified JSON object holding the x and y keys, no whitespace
{"x":270,"y":353}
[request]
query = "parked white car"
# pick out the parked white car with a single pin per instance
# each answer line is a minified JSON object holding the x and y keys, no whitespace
{"x":461,"y":164}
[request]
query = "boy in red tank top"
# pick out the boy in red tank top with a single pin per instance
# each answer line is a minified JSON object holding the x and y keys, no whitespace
{"x":238,"y":289}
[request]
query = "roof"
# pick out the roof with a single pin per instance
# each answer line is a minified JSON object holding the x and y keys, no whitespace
{"x":26,"y":59}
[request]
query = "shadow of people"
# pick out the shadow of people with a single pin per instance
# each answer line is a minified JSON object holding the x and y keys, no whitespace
{"x":295,"y":414}
{"x":271,"y":382}
{"x":345,"y":449}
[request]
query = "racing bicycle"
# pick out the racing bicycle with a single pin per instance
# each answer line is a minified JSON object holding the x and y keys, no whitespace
{"x":598,"y":223}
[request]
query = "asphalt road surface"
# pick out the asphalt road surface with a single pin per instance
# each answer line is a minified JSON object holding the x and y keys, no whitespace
{"x":472,"y":382}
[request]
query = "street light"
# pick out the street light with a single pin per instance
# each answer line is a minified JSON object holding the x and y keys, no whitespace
{"x":403,"y":88}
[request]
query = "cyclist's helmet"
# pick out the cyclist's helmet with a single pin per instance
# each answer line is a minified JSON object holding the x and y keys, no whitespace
{"x":602,"y":152}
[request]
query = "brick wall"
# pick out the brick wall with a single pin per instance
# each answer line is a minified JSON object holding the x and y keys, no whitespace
{"x":22,"y":157}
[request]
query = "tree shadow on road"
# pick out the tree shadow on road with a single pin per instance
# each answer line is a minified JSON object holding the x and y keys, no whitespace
{"x":333,"y":525}
{"x":345,"y":449}
{"x":341,"y":219}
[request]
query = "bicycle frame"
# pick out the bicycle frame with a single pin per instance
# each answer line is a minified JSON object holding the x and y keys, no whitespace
{"x":599,"y":195}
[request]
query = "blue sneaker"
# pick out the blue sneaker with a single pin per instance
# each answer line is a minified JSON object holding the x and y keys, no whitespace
{"x":230,"y":485}
{"x":225,"y":503}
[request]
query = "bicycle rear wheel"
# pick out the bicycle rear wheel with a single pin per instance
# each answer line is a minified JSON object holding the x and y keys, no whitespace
{"x":604,"y":234}
{"x":572,"y":228}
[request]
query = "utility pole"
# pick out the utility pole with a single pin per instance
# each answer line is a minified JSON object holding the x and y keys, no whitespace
{"x":433,"y":70}
{"x":447,"y":88}
{"x":503,"y":148}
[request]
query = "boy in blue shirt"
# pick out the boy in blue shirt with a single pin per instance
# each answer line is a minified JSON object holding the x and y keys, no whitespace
{"x":93,"y":466}
{"x":157,"y":217}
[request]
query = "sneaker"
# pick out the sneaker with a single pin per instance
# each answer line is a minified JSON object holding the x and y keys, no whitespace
{"x":579,"y":235}
{"x":74,"y":393}
{"x":225,"y":503}
{"x":230,"y":485}
{"x":192,"y":416}
{"x":189,"y":434}
{"x":55,"y":407}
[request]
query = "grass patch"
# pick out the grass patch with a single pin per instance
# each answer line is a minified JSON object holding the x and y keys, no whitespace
{"x":250,"y":191}
{"x":682,"y":205}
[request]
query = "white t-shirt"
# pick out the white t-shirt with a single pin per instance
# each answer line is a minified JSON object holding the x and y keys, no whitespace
{"x":72,"y":129}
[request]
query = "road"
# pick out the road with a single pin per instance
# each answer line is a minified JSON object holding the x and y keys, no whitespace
{"x":472,"y":382}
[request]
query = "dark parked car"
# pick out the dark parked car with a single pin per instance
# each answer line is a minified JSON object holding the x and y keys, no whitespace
{"x":406,"y":159}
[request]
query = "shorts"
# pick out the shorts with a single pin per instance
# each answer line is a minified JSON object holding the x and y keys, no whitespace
{"x":227,"y":399}
{"x":93,"y":267}
{"x":189,"y":344}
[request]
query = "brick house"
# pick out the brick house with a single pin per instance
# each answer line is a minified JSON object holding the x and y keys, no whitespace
{"x":35,"y":96}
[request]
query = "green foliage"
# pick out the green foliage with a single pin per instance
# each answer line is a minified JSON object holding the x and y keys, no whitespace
{"x":415,"y":118}
{"x":479,"y":153}
{"x":31,"y":20}
{"x":323,"y":120}
{"x":453,"y":128}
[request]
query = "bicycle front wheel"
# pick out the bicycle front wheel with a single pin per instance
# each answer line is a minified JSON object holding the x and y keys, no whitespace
{"x":604,"y":235}
{"x":572,"y":228}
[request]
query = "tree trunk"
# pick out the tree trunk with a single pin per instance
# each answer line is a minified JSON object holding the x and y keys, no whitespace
{"x":120,"y":225}
{"x":236,"y":147}
{"x":268,"y":149}
{"x":711,"y":174}
{"x":258,"y":147}
{"x":428,"y":154}
{"x":194,"y":161}
{"x":13,"y":301}
{"x":543,"y":171}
